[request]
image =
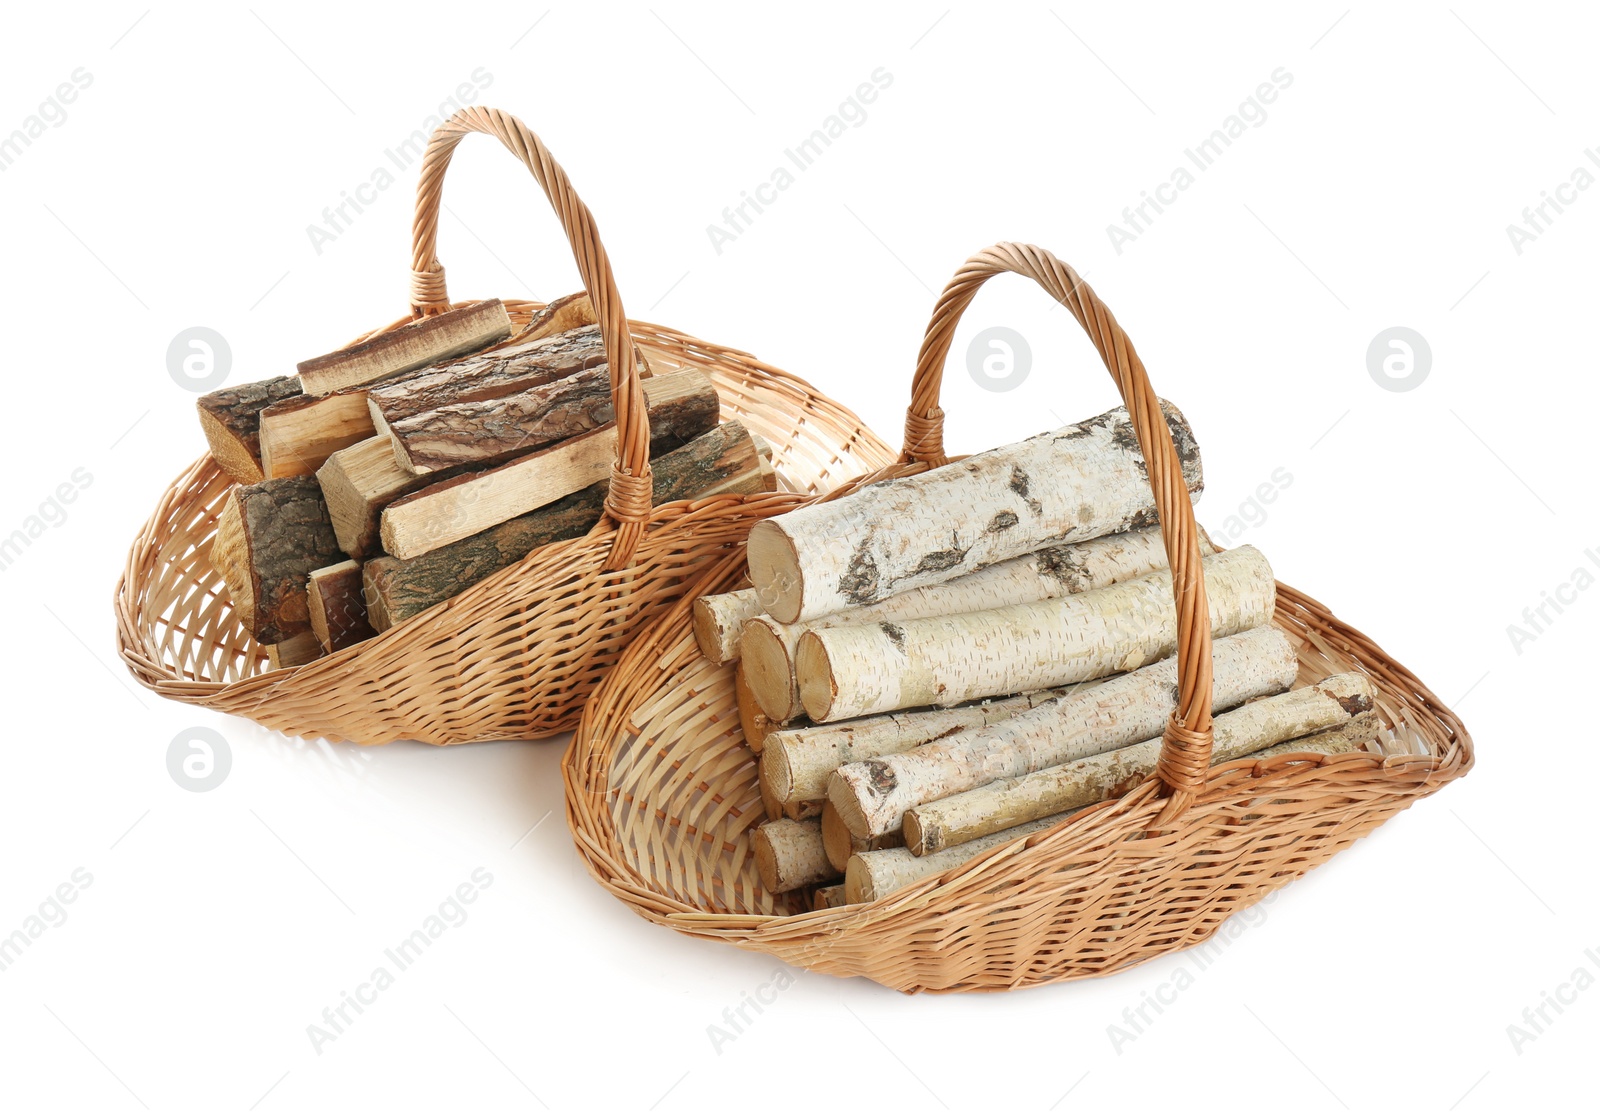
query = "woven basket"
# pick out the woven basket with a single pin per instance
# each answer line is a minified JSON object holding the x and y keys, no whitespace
{"x":516,"y":655}
{"x":662,"y":794}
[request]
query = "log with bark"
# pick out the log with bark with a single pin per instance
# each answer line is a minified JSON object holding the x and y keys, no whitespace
{"x":1083,"y":481}
{"x":992,"y":808}
{"x":562,"y":314}
{"x":825,"y":898}
{"x":789,"y":855}
{"x":231,"y":420}
{"x":358,"y":482}
{"x":723,"y":461}
{"x":271,"y":535}
{"x":299,"y":433}
{"x":421,"y":342}
{"x":681,"y":406}
{"x":1352,"y":737}
{"x":718,"y":619}
{"x":840,"y":845}
{"x":796,"y":764}
{"x":298,"y":649}
{"x":768,"y":646}
{"x":871,"y":796}
{"x":848,"y":671}
{"x":337,"y":606}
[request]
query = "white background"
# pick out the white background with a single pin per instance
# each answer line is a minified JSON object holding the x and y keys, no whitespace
{"x":1378,"y":191}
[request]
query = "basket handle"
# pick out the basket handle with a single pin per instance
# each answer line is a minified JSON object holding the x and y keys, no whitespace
{"x":1186,"y":743}
{"x":628,"y":497}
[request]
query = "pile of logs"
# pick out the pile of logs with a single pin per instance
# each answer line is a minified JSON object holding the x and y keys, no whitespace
{"x":393,"y":474}
{"x":937,"y":665}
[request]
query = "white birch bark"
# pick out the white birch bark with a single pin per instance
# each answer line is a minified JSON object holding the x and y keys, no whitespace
{"x":839,"y":845}
{"x":849,"y":671}
{"x":1083,"y":481}
{"x":873,"y":875}
{"x":789,"y":855}
{"x":871,"y":796}
{"x":717,"y":621}
{"x":997,"y":806}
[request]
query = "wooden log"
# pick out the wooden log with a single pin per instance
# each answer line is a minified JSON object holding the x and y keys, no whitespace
{"x":681,"y":406}
{"x":271,"y":535}
{"x":848,"y":671}
{"x":357,"y":482}
{"x":421,"y":342}
{"x":871,"y":796}
{"x":1348,"y":739}
{"x":796,"y":763}
{"x":1083,"y":481}
{"x":717,"y":619}
{"x":565,"y":313}
{"x":1049,"y":573}
{"x":753,"y":721}
{"x":723,"y":460}
{"x":825,"y":898}
{"x":871,"y":876}
{"x":789,"y":855}
{"x":992,"y":808}
{"x":840,"y":845}
{"x":231,"y":420}
{"x":337,"y":606}
{"x":298,"y":649}
{"x":298,"y":434}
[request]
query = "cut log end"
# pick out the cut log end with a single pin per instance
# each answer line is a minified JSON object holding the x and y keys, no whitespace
{"x":818,"y":689}
{"x":752,"y":720}
{"x":718,"y":619}
{"x":775,"y":569}
{"x":789,"y":855}
{"x":767,"y":668}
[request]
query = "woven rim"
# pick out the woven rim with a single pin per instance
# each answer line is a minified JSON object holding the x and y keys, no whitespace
{"x":661,"y":790}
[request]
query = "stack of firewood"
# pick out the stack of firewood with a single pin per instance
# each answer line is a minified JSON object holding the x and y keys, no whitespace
{"x":940,"y":664}
{"x":393,"y":474}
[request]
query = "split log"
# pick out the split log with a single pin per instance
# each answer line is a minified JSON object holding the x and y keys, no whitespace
{"x":299,"y":649}
{"x":871,"y":796}
{"x":789,"y":855}
{"x":796,"y":764}
{"x":768,"y":646}
{"x":1083,"y":481}
{"x":840,"y":845}
{"x":717,"y":619}
{"x":847,"y":671}
{"x":560,"y":315}
{"x":357,"y":483}
{"x":723,"y":461}
{"x":999,"y":805}
{"x":681,"y":406}
{"x":421,"y":342}
{"x":271,"y":535}
{"x":825,"y":898}
{"x":337,"y":607}
{"x":298,"y":434}
{"x":231,"y":420}
{"x":871,"y":876}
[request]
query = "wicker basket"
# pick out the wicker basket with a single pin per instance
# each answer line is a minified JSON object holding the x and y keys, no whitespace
{"x":516,"y":655}
{"x":662,"y":794}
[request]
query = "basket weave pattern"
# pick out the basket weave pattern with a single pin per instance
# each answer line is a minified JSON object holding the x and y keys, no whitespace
{"x":662,"y":791}
{"x":516,"y":655}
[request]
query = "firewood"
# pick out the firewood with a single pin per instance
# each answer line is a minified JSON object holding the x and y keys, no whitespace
{"x":1083,"y":481}
{"x":231,"y":420}
{"x":298,"y":434}
{"x":271,"y":535}
{"x":992,"y":808}
{"x":717,"y":619}
{"x":847,"y":671}
{"x":870,"y":797}
{"x":825,"y":898}
{"x":422,"y":342}
{"x":796,"y":763}
{"x":560,"y":315}
{"x":337,"y":607}
{"x":752,"y":720}
{"x":768,"y":646}
{"x":874,"y":875}
{"x":357,"y":483}
{"x":681,"y":406}
{"x":723,"y":461}
{"x":789,"y":855}
{"x":298,"y":649}
{"x":840,"y":845}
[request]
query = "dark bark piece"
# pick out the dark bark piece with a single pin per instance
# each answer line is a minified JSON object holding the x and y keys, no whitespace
{"x":268,"y":544}
{"x":231,"y":420}
{"x":337,"y":606}
{"x":723,"y":460}
{"x":422,"y":342}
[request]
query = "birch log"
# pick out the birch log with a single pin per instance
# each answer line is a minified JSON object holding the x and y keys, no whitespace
{"x":847,"y":671}
{"x":789,"y":855}
{"x":795,"y":764}
{"x":874,"y":875}
{"x":1348,"y":739}
{"x":768,"y":646}
{"x":825,"y":898}
{"x":839,"y":845}
{"x":1000,"y":805}
{"x":1083,"y":481}
{"x":871,"y":796}
{"x":717,"y":621}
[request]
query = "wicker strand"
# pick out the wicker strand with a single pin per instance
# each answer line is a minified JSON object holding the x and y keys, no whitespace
{"x":925,"y":437}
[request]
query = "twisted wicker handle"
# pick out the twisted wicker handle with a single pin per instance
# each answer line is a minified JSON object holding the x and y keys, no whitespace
{"x":628,"y":498}
{"x":1186,"y":743}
